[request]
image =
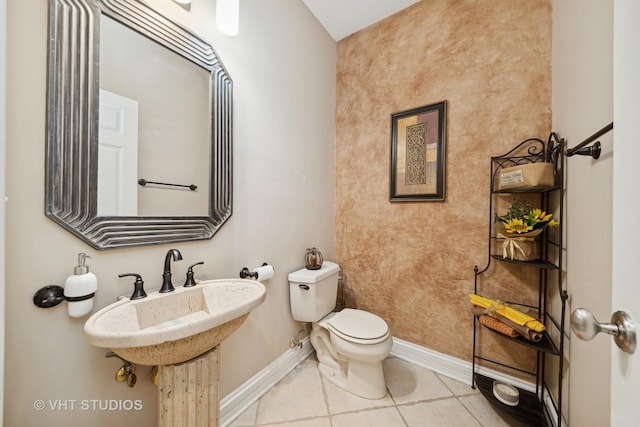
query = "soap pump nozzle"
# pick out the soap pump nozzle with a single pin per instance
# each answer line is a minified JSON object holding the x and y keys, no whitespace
{"x":81,"y":268}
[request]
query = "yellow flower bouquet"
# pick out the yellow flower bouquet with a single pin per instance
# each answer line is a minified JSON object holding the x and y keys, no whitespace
{"x":522,"y":223}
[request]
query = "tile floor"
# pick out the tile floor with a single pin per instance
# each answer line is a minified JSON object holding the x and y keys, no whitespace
{"x":416,"y":397}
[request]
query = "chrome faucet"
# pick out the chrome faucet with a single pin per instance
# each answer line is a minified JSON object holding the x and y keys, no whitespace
{"x":167,"y":286}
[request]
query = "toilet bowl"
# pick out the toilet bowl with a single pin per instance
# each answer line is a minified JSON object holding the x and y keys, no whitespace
{"x":350,"y":344}
{"x":353,"y":361}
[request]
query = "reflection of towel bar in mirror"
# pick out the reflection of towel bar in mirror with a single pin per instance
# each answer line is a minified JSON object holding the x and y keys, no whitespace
{"x":144,"y":182}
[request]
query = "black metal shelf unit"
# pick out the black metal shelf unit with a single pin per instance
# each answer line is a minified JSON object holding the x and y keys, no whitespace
{"x":534,"y":406}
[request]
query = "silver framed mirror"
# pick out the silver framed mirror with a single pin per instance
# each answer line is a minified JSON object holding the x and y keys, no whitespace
{"x":73,"y":97}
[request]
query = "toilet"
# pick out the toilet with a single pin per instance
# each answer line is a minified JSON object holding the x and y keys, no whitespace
{"x":350,"y":344}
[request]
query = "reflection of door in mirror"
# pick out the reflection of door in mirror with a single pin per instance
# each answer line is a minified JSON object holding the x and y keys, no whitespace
{"x":174,"y":134}
{"x":117,"y":156}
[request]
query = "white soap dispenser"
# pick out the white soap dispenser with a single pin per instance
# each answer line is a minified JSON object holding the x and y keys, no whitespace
{"x":80,"y":288}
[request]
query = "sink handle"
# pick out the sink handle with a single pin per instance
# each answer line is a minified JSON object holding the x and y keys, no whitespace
{"x":190,"y":280}
{"x":138,"y":291}
{"x":126,"y":373}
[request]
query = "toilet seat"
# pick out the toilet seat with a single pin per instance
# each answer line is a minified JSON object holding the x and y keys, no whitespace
{"x":358,"y":326}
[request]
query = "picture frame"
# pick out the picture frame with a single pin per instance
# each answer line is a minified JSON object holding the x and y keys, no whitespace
{"x":418,"y":154}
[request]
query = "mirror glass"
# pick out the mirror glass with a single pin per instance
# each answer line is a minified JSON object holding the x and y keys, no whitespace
{"x":153,"y":125}
{"x":139,"y":127}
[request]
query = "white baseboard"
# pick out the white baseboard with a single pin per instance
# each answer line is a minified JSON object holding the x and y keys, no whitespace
{"x":250,"y":392}
{"x":239,"y":400}
{"x":457,"y":369}
{"x":449,"y":366}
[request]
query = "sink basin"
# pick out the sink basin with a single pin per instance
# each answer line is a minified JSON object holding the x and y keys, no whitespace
{"x":170,"y":328}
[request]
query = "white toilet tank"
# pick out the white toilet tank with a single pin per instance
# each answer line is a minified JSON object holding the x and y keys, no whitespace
{"x":313,"y":293}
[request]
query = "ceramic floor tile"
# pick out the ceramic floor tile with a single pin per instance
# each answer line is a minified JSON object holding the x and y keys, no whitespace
{"x":341,"y":401}
{"x":310,"y":362}
{"x":298,"y":396}
{"x":305,"y":399}
{"x":458,"y":388}
{"x":408,"y":383}
{"x":482,"y":410}
{"x":384,"y":417}
{"x":438,"y":413}
{"x":315,"y":422}
{"x":248,"y":417}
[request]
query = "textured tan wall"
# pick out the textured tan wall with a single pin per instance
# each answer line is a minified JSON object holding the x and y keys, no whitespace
{"x":412,"y":263}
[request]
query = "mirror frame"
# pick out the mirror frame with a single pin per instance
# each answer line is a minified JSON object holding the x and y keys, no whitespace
{"x":71,"y":164}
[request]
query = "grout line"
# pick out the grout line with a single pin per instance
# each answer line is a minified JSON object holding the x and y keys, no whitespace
{"x":325,"y":395}
{"x":400,"y":412}
{"x":453,"y":393}
{"x":470,"y":412}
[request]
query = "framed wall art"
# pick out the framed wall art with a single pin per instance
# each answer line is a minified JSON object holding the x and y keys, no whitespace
{"x":418,"y":154}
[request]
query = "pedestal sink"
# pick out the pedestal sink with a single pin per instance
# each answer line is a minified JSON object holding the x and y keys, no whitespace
{"x":179,"y":332}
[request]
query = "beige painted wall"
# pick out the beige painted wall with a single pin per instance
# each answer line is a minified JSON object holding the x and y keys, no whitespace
{"x":583,"y":104}
{"x":283,"y":67}
{"x":412,"y":263}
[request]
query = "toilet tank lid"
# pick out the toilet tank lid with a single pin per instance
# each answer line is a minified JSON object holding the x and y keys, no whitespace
{"x":312,"y":276}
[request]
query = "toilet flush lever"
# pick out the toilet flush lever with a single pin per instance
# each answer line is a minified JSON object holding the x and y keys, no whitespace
{"x":585,"y":326}
{"x":304,"y":287}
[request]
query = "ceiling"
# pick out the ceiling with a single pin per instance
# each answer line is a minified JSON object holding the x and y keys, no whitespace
{"x":342,"y":18}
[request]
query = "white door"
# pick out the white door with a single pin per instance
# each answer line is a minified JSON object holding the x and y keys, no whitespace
{"x":117,"y":155}
{"x":3,"y":110}
{"x":625,"y":368}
